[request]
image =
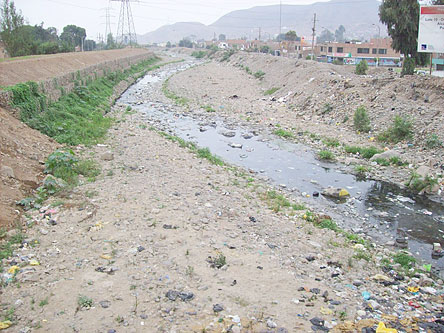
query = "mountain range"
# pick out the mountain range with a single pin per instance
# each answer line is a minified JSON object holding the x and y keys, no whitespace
{"x":359,"y":17}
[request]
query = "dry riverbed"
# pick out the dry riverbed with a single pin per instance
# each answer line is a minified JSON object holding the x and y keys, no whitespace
{"x":165,"y":241}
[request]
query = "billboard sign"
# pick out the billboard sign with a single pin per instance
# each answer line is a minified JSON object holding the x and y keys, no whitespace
{"x":431,"y":29}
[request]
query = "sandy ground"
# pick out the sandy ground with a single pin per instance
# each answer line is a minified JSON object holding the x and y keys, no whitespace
{"x":132,"y":252}
{"x":22,"y":154}
{"x":305,"y":88}
{"x":41,"y":68}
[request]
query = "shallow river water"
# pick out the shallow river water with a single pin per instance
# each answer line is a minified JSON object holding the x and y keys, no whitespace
{"x":381,"y":210}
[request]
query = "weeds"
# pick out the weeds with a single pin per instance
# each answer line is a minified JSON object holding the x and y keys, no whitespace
{"x":277,"y":201}
{"x":259,"y":75}
{"x":205,"y":153}
{"x":406,"y":261}
{"x":326,"y":155}
{"x":361,"y":169}
{"x":365,"y":152}
{"x":433,"y":141}
{"x":77,"y":117}
{"x":199,"y":54}
{"x":283,"y":133}
{"x":271,"y":91}
{"x":84,"y":302}
{"x":417,"y":184}
{"x":361,"y":68}
{"x":227,"y":54}
{"x":327,"y":108}
{"x":330,"y":142}
{"x":361,"y":121}
{"x":399,"y":131}
{"x":171,"y":95}
{"x":209,"y":108}
{"x":43,"y":302}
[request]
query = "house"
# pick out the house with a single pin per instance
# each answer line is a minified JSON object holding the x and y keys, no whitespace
{"x":377,"y":52}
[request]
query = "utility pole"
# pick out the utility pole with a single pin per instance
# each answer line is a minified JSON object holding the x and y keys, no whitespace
{"x":313,"y":37}
{"x":280,"y":21}
{"x":259,"y":34}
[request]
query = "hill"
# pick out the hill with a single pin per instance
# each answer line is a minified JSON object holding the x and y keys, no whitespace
{"x":358,"y":18}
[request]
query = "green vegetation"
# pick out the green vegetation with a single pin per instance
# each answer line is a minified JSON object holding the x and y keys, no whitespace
{"x":433,"y":141}
{"x":199,"y":54}
{"x":328,"y":224}
{"x":417,"y":184}
{"x":205,"y":153}
{"x":326,"y":155}
{"x":330,"y":142}
{"x":208,"y":108}
{"x":271,"y":91}
{"x":77,"y":117}
{"x":327,"y":108}
{"x":362,"y":254}
{"x":361,"y":120}
{"x":278,"y":201}
{"x":406,"y":261}
{"x":408,"y":67}
{"x":171,"y":95}
{"x":283,"y":133}
{"x":365,"y":152}
{"x":43,"y":302}
{"x":259,"y":75}
{"x":84,"y":302}
{"x":361,"y":169}
{"x":7,"y":244}
{"x":227,"y":54}
{"x":361,"y":68}
{"x":220,"y":261}
{"x":399,"y":131}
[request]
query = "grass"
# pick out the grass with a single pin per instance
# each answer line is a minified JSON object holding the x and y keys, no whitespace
{"x":220,"y":261}
{"x":171,"y":95}
{"x":283,"y":133}
{"x":199,"y":54}
{"x":200,"y":152}
{"x":433,"y":141}
{"x":365,"y":152}
{"x":77,"y":117}
{"x":406,"y":261}
{"x":227,"y":54}
{"x":326,"y":155}
{"x":417,"y":184}
{"x":361,"y":169}
{"x":278,"y":201}
{"x":327,"y":108}
{"x":362,"y":255}
{"x":44,"y":302}
{"x":208,"y":108}
{"x":330,"y":142}
{"x":271,"y":91}
{"x":361,"y":121}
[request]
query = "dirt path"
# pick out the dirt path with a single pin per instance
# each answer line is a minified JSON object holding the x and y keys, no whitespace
{"x":165,"y":241}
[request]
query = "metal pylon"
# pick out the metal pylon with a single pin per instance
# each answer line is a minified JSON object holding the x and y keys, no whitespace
{"x":126,"y":32}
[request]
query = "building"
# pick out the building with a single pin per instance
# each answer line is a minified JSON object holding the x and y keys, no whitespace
{"x":376,"y":52}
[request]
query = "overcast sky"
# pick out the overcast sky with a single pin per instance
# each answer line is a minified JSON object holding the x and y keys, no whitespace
{"x":148,"y":14}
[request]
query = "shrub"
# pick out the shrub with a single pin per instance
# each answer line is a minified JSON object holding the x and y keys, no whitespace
{"x":408,"y":67}
{"x":259,"y":75}
{"x":327,"y":108}
{"x":283,"y":133}
{"x":361,"y":68}
{"x":361,"y":120}
{"x":433,"y":141}
{"x":365,"y":152}
{"x":400,"y":130}
{"x":271,"y":91}
{"x":198,"y":54}
{"x":227,"y":55}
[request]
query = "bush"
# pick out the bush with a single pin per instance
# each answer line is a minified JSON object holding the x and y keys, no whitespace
{"x":326,"y":155}
{"x":400,"y":130}
{"x":198,"y":54}
{"x":361,"y":68}
{"x":408,"y":67}
{"x":259,"y":75}
{"x":433,"y":141}
{"x":227,"y":55}
{"x":365,"y":152}
{"x":361,"y":120}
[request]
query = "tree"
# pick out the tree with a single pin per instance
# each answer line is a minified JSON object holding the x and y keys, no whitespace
{"x":265,"y":49}
{"x":73,"y":35}
{"x":222,"y":38}
{"x":339,"y":34}
{"x":326,"y":36}
{"x":402,"y":19}
{"x":89,"y":45}
{"x":186,"y":43}
{"x":168,"y":45}
{"x":110,"y":42}
{"x":11,"y":20}
{"x":291,"y":35}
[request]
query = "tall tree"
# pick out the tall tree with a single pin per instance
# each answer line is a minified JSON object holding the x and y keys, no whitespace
{"x":11,"y":20}
{"x":402,"y":20}
{"x":339,"y":34}
{"x":326,"y":36}
{"x":73,"y":35}
{"x":291,"y":35}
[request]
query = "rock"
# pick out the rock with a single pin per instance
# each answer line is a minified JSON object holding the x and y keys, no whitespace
{"x":172,"y":295}
{"x":310,"y":258}
{"x":358,"y":283}
{"x":229,"y":134}
{"x":235,"y":145}
{"x":317,"y":321}
{"x":105,"y":304}
{"x":218,"y":308}
{"x":186,"y":296}
{"x":108,"y":156}
{"x":271,"y":324}
{"x":385,"y":155}
{"x":7,"y":171}
{"x":424,"y":171}
{"x":337,"y":193}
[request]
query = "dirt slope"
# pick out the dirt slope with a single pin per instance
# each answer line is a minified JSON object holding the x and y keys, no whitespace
{"x":42,"y":68}
{"x":22,"y":151}
{"x":321,"y":99}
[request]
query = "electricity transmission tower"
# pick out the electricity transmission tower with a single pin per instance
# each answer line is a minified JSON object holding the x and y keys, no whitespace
{"x":126,"y":33}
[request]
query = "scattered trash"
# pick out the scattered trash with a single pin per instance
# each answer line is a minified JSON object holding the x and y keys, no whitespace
{"x":383,"y":329}
{"x":5,"y":324}
{"x":366,"y":295}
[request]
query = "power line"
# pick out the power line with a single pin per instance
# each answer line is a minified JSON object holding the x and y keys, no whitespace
{"x":126,"y":30}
